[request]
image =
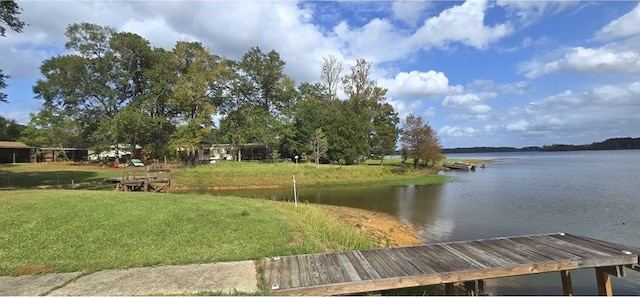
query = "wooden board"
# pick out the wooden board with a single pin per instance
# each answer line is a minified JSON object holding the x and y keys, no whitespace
{"x":441,"y":263}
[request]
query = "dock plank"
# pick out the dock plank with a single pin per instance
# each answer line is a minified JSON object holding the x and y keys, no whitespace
{"x":382,"y":269}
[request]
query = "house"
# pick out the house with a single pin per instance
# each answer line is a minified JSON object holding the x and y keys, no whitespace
{"x":16,"y":152}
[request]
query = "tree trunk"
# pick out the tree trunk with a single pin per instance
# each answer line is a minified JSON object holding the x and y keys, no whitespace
{"x":416,"y":162}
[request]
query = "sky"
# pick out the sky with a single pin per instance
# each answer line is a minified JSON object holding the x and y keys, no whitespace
{"x":481,"y":73}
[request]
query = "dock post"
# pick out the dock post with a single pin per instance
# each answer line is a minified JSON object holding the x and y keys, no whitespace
{"x":471,"y":287}
{"x":481,"y":287}
{"x":567,"y":288}
{"x":449,"y":289}
{"x":603,"y":281}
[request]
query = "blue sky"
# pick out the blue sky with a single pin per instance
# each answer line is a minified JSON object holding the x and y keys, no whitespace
{"x":482,"y":73}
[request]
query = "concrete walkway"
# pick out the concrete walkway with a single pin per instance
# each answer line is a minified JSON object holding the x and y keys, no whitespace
{"x":225,"y":278}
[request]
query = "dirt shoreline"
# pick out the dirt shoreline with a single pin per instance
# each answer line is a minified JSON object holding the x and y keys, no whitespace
{"x":387,"y":230}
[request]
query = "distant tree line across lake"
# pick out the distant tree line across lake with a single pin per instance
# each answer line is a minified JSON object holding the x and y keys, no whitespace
{"x":626,"y":143}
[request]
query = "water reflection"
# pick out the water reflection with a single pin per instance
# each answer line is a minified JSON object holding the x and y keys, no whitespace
{"x":414,"y":205}
{"x":585,"y":193}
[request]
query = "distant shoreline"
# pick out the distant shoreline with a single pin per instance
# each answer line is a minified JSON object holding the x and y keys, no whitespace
{"x":627,"y":143}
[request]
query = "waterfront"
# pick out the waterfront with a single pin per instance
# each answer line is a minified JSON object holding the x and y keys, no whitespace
{"x":590,"y":193}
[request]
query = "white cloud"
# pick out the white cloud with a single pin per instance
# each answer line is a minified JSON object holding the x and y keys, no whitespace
{"x":409,"y":11}
{"x":404,"y":107}
{"x":520,"y":125}
{"x":457,"y":131}
{"x":416,"y":85}
{"x":462,"y":23}
{"x":586,"y":60}
{"x":461,"y":100}
{"x":528,"y":12}
{"x":430,"y":112}
{"x":480,"y":109}
{"x":624,"y":26}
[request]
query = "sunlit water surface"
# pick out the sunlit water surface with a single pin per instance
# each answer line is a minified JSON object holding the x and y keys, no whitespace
{"x":592,"y":193}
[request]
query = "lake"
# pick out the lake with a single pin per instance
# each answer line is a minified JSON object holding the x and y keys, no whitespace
{"x":589,"y":193}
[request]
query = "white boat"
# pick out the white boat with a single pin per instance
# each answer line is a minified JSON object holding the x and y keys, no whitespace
{"x":459,"y":165}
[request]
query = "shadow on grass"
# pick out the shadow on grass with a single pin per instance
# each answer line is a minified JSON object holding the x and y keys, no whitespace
{"x":50,"y":179}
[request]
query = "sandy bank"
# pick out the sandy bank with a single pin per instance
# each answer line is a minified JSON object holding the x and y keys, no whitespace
{"x":387,"y":230}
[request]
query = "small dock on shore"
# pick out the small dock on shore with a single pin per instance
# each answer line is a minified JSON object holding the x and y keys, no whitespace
{"x":142,"y":180}
{"x":469,"y":262}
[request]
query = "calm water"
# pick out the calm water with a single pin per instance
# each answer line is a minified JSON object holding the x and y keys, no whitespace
{"x":594,"y":193}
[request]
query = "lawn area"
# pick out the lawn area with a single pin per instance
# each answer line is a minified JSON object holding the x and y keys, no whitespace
{"x":254,"y":174}
{"x":229,"y":175}
{"x":62,"y":174}
{"x":79,"y":230}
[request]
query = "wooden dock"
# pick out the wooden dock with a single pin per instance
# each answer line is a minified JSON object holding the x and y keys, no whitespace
{"x":145,"y":180}
{"x":449,"y":263}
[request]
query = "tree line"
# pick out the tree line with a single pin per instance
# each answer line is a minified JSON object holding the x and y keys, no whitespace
{"x":115,"y":88}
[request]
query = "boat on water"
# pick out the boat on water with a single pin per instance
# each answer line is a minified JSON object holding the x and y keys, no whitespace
{"x":459,"y":165}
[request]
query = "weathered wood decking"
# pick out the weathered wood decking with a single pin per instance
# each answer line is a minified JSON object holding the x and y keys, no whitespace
{"x":145,"y":180}
{"x":447,"y":263}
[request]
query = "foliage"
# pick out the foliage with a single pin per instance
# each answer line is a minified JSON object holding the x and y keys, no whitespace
{"x":10,"y":130}
{"x":9,"y":11}
{"x":115,"y":88}
{"x":384,"y":136}
{"x":421,"y":141}
{"x":53,"y":126}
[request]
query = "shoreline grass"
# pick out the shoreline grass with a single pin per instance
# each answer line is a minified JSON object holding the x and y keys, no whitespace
{"x":65,"y":230}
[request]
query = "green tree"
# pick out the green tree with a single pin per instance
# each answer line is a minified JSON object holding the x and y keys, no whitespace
{"x":365,"y":102}
{"x":318,"y":145}
{"x":420,"y":140}
{"x":53,"y":127}
{"x":259,"y":84}
{"x":263,"y":72}
{"x":106,"y":73}
{"x":202,"y":79}
{"x":308,"y":115}
{"x":10,"y":129}
{"x":9,"y":11}
{"x":384,"y":135}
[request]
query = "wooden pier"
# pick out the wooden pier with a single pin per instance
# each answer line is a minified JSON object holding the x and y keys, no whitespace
{"x":144,"y":180}
{"x":470,"y":262}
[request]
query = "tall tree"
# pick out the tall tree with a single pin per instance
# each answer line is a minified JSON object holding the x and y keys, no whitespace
{"x":384,"y":136}
{"x":318,"y":145}
{"x":263,"y":72}
{"x":420,"y":140}
{"x":9,"y":11}
{"x":115,"y":84}
{"x":308,"y":115}
{"x":366,"y":101}
{"x":262,"y":83}
{"x":105,"y":73}
{"x":202,"y":79}
{"x":330,"y":72}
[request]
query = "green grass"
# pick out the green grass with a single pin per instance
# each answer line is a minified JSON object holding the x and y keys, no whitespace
{"x":31,"y":175}
{"x":253,"y":174}
{"x":89,"y":231}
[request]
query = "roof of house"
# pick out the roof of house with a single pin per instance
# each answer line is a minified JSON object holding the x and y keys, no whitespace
{"x":14,"y":144}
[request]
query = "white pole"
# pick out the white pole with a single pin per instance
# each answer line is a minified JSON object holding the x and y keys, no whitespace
{"x":295,"y":194}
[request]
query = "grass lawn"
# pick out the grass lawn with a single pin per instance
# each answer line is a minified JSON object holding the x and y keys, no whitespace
{"x":79,"y":230}
{"x":61,"y":174}
{"x":247,"y":174}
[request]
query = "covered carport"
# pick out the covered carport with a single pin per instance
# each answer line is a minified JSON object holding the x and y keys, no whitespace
{"x":16,"y":152}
